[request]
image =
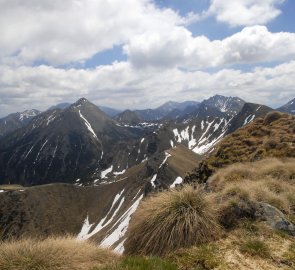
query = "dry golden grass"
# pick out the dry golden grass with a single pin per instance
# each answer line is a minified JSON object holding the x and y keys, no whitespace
{"x":53,"y":254}
{"x":238,"y":186}
{"x":251,"y":245}
{"x":177,"y":224}
{"x":171,"y":220}
{"x":11,"y":187}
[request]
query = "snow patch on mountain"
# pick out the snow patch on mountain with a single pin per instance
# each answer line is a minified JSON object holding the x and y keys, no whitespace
{"x":185,"y":135}
{"x":177,"y":181}
{"x":202,"y":124}
{"x":192,"y":141}
{"x":171,"y":143}
{"x":249,"y":119}
{"x":85,"y":231}
{"x":122,"y":226}
{"x":104,"y":173}
{"x":30,"y":150}
{"x":167,"y":155}
{"x":204,"y":148}
{"x":88,"y":125}
{"x":119,"y":173}
{"x":50,"y":119}
{"x":207,"y":140}
{"x":40,"y":151}
{"x":153,"y":180}
{"x":27,"y":114}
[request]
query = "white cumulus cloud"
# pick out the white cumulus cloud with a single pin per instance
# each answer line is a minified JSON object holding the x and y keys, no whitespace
{"x":123,"y":86}
{"x":245,"y":12}
{"x":61,"y":32}
{"x":254,"y":44}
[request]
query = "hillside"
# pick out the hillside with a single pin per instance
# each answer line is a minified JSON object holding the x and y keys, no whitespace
{"x":253,"y":203}
{"x":271,"y":136}
{"x":78,"y":142}
{"x":242,"y":219}
{"x":288,"y":107}
{"x":249,"y":112}
{"x":100,"y":212}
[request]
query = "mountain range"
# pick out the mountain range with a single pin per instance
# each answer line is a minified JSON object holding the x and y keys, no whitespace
{"x":80,"y":141}
{"x":94,"y":169}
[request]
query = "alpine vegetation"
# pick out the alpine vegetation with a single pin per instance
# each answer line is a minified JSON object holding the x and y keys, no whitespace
{"x":54,"y":253}
{"x":171,"y":220}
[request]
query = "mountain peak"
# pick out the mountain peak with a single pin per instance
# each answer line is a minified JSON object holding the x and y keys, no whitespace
{"x":218,"y":96}
{"x":81,"y":101}
{"x":129,"y":117}
{"x":230,"y":105}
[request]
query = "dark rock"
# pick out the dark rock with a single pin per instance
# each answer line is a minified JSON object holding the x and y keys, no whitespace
{"x":274,"y":217}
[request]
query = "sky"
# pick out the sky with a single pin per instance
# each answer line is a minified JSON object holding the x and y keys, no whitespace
{"x":141,"y":53}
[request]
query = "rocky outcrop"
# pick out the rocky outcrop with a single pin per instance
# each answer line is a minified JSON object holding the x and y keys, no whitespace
{"x":274,"y":218}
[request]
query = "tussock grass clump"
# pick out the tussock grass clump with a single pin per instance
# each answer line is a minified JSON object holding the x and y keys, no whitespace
{"x":52,"y":254}
{"x":255,"y":247}
{"x":270,"y":144}
{"x":171,"y":220}
{"x":273,"y":116}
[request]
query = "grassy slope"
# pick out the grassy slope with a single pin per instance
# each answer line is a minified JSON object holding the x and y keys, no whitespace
{"x":246,"y":242}
{"x":252,"y":246}
{"x":271,"y":136}
{"x":182,"y":160}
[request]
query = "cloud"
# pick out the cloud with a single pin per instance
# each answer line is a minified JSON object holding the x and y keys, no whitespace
{"x":70,"y":31}
{"x":61,"y":32}
{"x":123,"y":86}
{"x":178,"y":48}
{"x":244,"y":12}
{"x":164,"y":59}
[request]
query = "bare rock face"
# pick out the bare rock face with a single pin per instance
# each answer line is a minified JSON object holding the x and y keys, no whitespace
{"x":274,"y":218}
